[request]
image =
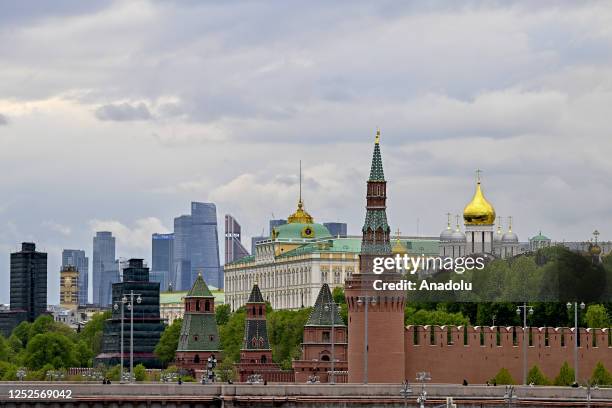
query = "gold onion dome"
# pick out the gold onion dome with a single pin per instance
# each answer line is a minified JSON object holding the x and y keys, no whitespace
{"x":479,"y":211}
{"x":300,"y":216}
{"x":595,"y":249}
{"x":398,"y":247}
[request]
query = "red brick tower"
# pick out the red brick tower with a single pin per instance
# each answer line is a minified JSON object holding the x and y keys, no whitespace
{"x":256,"y":353}
{"x":385,"y":314}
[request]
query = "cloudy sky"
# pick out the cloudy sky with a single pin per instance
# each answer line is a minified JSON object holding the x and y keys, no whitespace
{"x":115,"y":115}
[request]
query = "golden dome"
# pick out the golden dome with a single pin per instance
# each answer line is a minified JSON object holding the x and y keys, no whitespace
{"x":300,"y":215}
{"x":595,"y":249}
{"x":398,"y":247}
{"x":479,"y":211}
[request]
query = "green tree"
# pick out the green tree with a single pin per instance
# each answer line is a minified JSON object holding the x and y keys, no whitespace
{"x":92,"y":331}
{"x":601,"y":376}
{"x":231,"y":335}
{"x":113,"y":373}
{"x":5,"y":349}
{"x":46,"y":324}
{"x":226,"y":371}
{"x":84,"y":354}
{"x":596,"y":316}
{"x":286,"y":332}
{"x":140,"y":372}
{"x":536,"y":377}
{"x":566,"y":375}
{"x":22,"y":332}
{"x":338,"y":295}
{"x":503,"y":377}
{"x":222,"y":314}
{"x":50,"y":348}
{"x":168,"y":342}
{"x":434,"y":317}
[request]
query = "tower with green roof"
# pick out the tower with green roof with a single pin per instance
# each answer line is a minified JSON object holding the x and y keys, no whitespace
{"x":318,"y":341}
{"x":376,"y":317}
{"x":199,"y":337}
{"x":256,"y":353}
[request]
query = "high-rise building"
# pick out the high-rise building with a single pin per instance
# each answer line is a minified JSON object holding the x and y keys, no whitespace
{"x":337,"y":229}
{"x":254,"y":241}
{"x":276,"y":223}
{"x":29,"y":281}
{"x":181,"y":274}
{"x":104,"y":267}
{"x":205,"y":244}
{"x":28,"y":287}
{"x":162,"y":255}
{"x":148,"y":325}
{"x":196,"y":247}
{"x":69,"y":287}
{"x":233,"y":246}
{"x":77,"y":259}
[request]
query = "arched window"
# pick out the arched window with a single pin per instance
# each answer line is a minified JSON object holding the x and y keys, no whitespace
{"x":197,"y":306}
{"x":264,"y":359}
{"x":324,"y":357}
{"x":196,"y":359}
{"x":207,"y":306}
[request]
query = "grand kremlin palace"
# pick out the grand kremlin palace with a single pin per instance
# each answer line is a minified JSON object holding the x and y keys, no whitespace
{"x":298,"y":258}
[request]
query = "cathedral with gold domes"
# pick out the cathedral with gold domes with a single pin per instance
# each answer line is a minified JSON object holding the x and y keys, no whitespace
{"x":479,"y":235}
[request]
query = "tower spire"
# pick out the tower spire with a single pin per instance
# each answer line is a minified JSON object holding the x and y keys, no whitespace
{"x":448,"y":225}
{"x":376,"y":171}
{"x":300,"y":181}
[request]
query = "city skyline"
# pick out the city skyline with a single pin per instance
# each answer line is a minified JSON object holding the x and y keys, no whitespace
{"x":191,"y":102}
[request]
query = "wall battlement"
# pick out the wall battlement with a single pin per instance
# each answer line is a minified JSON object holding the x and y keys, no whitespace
{"x":477,"y":353}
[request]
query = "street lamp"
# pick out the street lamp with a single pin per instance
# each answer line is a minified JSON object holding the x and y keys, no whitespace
{"x":211,"y":363}
{"x":422,"y":377}
{"x":525,"y":309}
{"x":405,"y":392}
{"x":116,"y":306}
{"x":331,"y":307}
{"x":576,"y":334}
{"x":21,"y":373}
{"x":509,"y":395}
{"x":366,"y":301}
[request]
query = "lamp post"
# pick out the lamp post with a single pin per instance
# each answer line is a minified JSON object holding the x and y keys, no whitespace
{"x":211,"y":363}
{"x":130,"y":305}
{"x":405,"y":392}
{"x":576,"y":334}
{"x":509,"y":395}
{"x":524,"y":308}
{"x":366,"y":301}
{"x":116,"y":306}
{"x":21,"y":373}
{"x":331,"y":307}
{"x":422,"y":377}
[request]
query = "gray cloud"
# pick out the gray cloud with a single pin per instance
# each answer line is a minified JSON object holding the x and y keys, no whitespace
{"x":209,"y":101}
{"x":123,"y":112}
{"x":3,"y":120}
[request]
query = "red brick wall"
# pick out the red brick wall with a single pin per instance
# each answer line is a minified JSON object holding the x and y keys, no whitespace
{"x":484,"y":355}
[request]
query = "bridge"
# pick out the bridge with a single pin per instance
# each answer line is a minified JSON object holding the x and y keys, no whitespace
{"x":85,"y":395}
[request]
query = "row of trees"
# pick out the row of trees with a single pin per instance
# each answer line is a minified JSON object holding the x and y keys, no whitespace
{"x":600,"y":376}
{"x":46,"y":345}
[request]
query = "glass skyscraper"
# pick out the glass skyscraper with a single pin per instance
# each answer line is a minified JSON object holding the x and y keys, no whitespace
{"x":196,"y":247}
{"x":104,"y":268}
{"x":336,"y":229}
{"x":77,"y":258}
{"x":162,"y":255}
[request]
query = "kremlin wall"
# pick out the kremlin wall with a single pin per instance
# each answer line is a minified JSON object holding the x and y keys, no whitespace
{"x":452,"y":353}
